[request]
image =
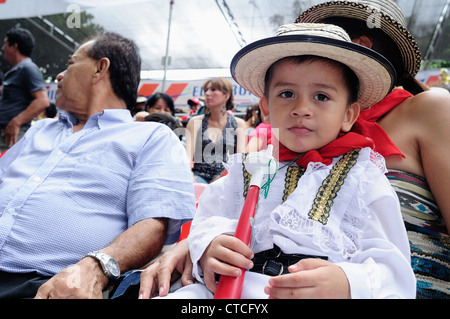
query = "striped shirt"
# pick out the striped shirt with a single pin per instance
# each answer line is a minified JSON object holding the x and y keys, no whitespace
{"x":64,"y":194}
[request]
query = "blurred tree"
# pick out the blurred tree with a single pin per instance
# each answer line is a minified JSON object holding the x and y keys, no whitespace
{"x":55,"y":39}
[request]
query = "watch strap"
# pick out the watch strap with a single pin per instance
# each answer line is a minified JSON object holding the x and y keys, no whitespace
{"x":103,"y":260}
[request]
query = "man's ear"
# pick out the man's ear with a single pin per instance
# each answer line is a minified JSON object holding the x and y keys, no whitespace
{"x":102,"y":69}
{"x":264,"y":107}
{"x":351,"y":115}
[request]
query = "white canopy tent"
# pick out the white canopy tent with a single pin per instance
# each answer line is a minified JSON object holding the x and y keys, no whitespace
{"x":204,"y":34}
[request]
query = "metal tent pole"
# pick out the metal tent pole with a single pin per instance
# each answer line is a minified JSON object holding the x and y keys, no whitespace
{"x":166,"y":57}
{"x":436,"y":34}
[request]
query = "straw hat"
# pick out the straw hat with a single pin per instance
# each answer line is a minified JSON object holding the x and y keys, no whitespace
{"x":375,"y":73}
{"x":383,"y":14}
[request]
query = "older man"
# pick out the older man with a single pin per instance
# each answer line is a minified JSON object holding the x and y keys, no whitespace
{"x":93,"y":193}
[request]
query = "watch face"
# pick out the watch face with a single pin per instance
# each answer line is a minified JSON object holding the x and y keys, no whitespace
{"x":113,"y":267}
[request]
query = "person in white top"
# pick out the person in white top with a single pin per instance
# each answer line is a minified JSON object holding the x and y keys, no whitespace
{"x":328,"y":223}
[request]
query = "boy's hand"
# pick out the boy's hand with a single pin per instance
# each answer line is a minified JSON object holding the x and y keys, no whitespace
{"x":225,"y":255}
{"x":310,"y":278}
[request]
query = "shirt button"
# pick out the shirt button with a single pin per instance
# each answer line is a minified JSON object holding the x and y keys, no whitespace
{"x":59,"y":153}
{"x":36,"y":178}
{"x":11,"y":210}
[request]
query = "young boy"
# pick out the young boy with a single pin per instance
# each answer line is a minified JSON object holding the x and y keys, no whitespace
{"x":329,"y":225}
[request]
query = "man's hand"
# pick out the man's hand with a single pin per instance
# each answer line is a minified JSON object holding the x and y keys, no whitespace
{"x":11,"y":132}
{"x":84,"y":280}
{"x":38,"y":105}
{"x":157,"y":277}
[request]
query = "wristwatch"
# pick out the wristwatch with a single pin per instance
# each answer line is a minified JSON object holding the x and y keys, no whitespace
{"x":109,"y":265}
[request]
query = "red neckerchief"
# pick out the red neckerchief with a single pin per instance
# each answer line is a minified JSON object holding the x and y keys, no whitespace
{"x":366,"y":124}
{"x":341,"y":145}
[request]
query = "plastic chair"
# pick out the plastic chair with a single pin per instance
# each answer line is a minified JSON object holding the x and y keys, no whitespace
{"x":198,"y":190}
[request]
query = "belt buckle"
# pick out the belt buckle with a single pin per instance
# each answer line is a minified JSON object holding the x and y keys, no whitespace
{"x":273,"y":253}
{"x":273,"y":273}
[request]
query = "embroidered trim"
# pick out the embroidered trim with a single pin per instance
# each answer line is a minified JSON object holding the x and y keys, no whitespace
{"x":321,"y":207}
{"x":247,"y":175}
{"x":320,"y":210}
{"x":293,"y":174}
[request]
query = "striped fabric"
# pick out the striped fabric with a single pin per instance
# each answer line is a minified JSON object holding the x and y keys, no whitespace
{"x":428,"y":237}
{"x":64,"y":194}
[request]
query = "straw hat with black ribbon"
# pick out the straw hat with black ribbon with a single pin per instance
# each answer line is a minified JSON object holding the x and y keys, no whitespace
{"x":383,"y":14}
{"x":375,"y":73}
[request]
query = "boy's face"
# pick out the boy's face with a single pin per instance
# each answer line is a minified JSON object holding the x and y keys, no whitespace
{"x":307,"y":104}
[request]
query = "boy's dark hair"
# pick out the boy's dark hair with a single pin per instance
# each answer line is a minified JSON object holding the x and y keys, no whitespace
{"x":125,"y":66}
{"x":151,"y":101}
{"x":23,"y":38}
{"x":350,"y":78}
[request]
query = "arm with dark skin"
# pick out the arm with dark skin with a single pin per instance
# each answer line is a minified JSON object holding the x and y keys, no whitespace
{"x":132,"y":249}
{"x":38,"y":105}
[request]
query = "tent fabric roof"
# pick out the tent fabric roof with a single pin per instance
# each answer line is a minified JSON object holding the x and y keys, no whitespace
{"x":204,"y":34}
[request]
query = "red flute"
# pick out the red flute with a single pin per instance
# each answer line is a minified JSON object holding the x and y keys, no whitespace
{"x":257,"y":165}
{"x":231,"y":287}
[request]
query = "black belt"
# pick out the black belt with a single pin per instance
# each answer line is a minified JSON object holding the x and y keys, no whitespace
{"x":274,"y":262}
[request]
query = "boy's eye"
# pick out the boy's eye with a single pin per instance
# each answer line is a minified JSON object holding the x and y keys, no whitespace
{"x":321,"y":97}
{"x":287,"y":94}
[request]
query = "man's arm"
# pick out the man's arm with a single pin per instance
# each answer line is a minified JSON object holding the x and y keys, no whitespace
{"x":132,"y":249}
{"x":38,"y":105}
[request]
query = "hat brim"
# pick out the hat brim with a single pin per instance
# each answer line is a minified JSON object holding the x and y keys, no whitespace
{"x":375,"y":73}
{"x":406,"y":44}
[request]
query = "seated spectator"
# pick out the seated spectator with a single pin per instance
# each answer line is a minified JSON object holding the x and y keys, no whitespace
{"x":140,"y":105}
{"x":409,"y":128}
{"x":167,"y":119}
{"x":92,"y":194}
{"x":158,"y":102}
{"x":213,"y":135}
{"x":252,"y":117}
{"x":330,"y":224}
{"x":194,"y":105}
